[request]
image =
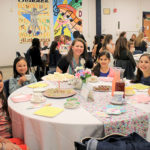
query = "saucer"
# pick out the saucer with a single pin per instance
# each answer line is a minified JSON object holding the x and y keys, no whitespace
{"x":71,"y":104}
{"x":42,"y":100}
{"x":117,"y":102}
{"x":113,"y":111}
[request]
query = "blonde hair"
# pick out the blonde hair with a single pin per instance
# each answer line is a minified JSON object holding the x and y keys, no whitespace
{"x":139,"y":39}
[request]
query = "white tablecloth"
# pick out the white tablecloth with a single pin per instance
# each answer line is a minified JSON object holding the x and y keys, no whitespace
{"x":58,"y":133}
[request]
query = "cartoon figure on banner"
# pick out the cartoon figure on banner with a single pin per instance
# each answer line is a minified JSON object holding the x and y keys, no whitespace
{"x":69,"y":13}
{"x":68,"y":18}
{"x":61,"y":23}
{"x":33,"y":20}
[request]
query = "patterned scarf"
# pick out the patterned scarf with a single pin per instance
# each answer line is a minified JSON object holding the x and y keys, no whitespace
{"x":72,"y":66}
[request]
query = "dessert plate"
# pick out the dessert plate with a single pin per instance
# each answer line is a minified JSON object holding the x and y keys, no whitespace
{"x":59,"y":93}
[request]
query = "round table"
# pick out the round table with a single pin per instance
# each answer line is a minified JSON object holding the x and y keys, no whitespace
{"x":57,"y":133}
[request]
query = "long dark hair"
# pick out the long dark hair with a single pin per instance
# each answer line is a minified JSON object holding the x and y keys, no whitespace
{"x":122,"y":34}
{"x":107,"y":39}
{"x":16,"y":74}
{"x":121,"y":44}
{"x":36,"y":46}
{"x":53,"y":46}
{"x":4,"y":99}
{"x":36,"y":43}
{"x":70,"y":53}
{"x":96,"y":39}
{"x":139,"y":72}
{"x":96,"y":69}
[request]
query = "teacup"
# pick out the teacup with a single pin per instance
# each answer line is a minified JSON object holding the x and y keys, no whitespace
{"x":28,"y":77}
{"x":118,"y":97}
{"x":37,"y":97}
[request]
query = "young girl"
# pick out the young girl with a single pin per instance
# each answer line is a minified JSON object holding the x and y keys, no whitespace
{"x":143,"y":71}
{"x":102,"y":68}
{"x":5,"y":124}
{"x":21,"y":75}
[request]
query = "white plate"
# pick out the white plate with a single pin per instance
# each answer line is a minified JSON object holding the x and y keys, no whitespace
{"x":71,"y":104}
{"x":118,"y":102}
{"x":37,"y":102}
{"x":113,"y":111}
{"x":92,"y":79}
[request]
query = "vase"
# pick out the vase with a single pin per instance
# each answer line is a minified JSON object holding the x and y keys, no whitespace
{"x":84,"y":80}
{"x":77,"y":83}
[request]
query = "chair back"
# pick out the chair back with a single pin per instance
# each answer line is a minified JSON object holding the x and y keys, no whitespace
{"x":127,"y":66}
{"x":18,"y":54}
{"x":6,"y":87}
{"x":28,"y":58}
{"x":54,"y":58}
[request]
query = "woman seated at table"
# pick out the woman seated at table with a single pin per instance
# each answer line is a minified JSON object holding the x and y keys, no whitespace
{"x":53,"y":56}
{"x":102,"y":68}
{"x":143,"y":71}
{"x":76,"y":56}
{"x":140,"y":44}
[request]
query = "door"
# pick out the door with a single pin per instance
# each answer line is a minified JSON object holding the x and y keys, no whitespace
{"x":146,"y":25}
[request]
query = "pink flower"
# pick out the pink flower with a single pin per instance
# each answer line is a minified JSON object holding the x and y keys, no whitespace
{"x":77,"y":75}
{"x":83,"y":72}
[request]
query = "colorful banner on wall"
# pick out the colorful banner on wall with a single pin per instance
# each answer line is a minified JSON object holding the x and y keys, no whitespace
{"x":34,"y":20}
{"x":67,"y":16}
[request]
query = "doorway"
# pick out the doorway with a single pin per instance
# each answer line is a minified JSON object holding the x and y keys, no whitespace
{"x":146,"y":25}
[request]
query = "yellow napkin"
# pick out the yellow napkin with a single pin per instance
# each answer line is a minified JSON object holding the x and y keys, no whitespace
{"x":48,"y":111}
{"x":139,"y":86}
{"x":37,"y":85}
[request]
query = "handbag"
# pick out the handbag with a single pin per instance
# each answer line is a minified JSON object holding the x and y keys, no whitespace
{"x":114,"y":142}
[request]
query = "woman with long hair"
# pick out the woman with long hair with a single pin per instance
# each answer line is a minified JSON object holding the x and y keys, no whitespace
{"x":35,"y":52}
{"x":54,"y":55}
{"x":109,"y":46}
{"x":76,"y":55}
{"x":124,"y":57}
{"x":140,"y":43}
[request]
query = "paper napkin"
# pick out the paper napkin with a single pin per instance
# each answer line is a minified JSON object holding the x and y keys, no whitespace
{"x":48,"y":111}
{"x":139,"y":86}
{"x":21,"y":98}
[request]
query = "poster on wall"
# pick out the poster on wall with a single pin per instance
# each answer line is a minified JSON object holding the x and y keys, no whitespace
{"x":34,"y":20}
{"x":67,"y":18}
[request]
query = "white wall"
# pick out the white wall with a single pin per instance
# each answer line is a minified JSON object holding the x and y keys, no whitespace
{"x":9,"y":39}
{"x":129,"y":13}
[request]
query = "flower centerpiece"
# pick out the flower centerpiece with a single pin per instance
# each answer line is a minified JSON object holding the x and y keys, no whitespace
{"x":82,"y":73}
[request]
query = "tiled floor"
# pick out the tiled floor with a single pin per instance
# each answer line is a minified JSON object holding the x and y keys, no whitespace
{"x":7,"y":72}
